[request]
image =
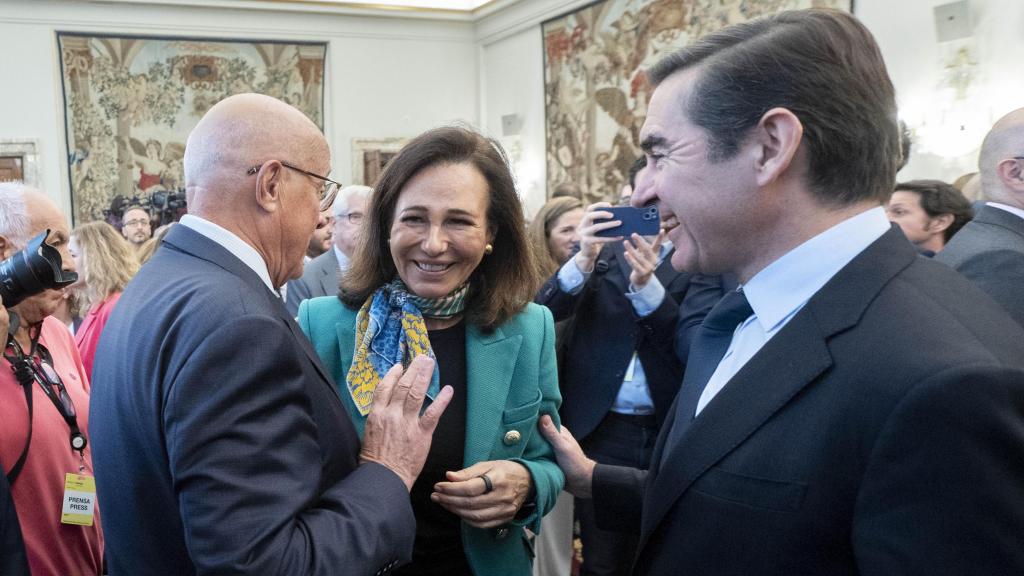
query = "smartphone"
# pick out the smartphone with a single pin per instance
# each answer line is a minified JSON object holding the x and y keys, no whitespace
{"x":644,"y":221}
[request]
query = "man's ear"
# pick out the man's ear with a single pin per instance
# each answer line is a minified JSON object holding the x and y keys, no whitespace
{"x":1011,"y":174}
{"x":940,"y":223}
{"x":269,"y":186}
{"x":777,"y":137}
{"x":6,"y":248}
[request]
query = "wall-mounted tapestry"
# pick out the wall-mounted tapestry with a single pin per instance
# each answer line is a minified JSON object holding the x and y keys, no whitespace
{"x":130,"y":103}
{"x":595,"y":90}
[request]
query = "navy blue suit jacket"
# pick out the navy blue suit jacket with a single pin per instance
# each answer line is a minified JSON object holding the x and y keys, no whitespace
{"x":880,"y":432}
{"x":607,"y":330}
{"x":219,"y":442}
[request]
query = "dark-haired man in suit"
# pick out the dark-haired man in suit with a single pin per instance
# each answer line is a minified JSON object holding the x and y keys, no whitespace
{"x":989,"y":250}
{"x":852,"y":409}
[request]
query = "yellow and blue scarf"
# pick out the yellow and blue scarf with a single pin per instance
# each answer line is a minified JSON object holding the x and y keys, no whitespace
{"x":390,"y":329}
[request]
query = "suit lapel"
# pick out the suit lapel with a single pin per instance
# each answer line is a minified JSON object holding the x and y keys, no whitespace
{"x":490,"y":363}
{"x":787,"y":363}
{"x":329,"y":275}
{"x":793,"y":359}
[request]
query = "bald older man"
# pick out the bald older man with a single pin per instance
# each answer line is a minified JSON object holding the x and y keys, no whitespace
{"x":221,"y":444}
{"x":990,"y":249}
{"x":38,"y":416}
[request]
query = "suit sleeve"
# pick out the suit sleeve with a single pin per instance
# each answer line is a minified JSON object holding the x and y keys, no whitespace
{"x":618,"y":493}
{"x":539,"y":456}
{"x":560,"y":302}
{"x":945,"y":484}
{"x":1000,"y":274}
{"x":241,"y":442}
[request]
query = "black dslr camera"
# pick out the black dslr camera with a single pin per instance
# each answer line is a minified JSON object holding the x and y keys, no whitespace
{"x":31,"y":271}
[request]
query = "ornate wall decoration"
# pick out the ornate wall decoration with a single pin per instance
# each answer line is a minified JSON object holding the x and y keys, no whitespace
{"x":595,"y":90}
{"x":130,"y":103}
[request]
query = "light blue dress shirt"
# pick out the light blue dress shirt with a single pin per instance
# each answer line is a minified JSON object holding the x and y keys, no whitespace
{"x":781,"y":289}
{"x":634,"y":395}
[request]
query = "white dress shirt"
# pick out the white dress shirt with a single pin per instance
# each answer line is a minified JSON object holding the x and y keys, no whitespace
{"x":232,"y":243}
{"x":1006,"y":208}
{"x":340,"y":256}
{"x":781,"y":289}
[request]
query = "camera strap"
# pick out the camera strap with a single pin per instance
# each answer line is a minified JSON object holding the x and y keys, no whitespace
{"x":25,"y":373}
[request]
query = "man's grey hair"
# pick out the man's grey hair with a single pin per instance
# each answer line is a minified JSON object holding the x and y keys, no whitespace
{"x":15,"y":224}
{"x":340,"y":207}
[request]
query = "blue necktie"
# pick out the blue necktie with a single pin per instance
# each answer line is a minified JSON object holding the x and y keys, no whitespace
{"x":709,"y":346}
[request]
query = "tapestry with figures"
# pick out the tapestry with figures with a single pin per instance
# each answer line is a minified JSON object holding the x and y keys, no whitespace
{"x":595,"y":90}
{"x":130,"y":102}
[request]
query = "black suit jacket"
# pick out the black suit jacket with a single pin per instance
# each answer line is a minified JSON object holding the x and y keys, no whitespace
{"x":605,"y":333}
{"x":219,"y":442}
{"x":880,"y":432}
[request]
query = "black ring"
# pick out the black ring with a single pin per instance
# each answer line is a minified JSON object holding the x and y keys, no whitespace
{"x":488,"y":486}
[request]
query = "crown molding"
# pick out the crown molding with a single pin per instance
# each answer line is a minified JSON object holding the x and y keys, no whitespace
{"x":516,"y":17}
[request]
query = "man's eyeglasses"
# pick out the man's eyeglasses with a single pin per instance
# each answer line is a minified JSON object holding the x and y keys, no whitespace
{"x":355,"y":218}
{"x":327,"y":193}
{"x":139,"y":222}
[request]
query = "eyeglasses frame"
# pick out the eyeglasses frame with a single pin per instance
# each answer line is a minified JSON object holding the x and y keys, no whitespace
{"x":327,"y":194}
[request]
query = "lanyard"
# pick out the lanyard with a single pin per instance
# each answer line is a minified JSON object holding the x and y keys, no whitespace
{"x":28,"y":369}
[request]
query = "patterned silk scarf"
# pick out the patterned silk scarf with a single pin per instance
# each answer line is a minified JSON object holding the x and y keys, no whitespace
{"x":390,"y":329}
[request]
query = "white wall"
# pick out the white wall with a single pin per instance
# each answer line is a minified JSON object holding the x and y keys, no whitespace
{"x":906,"y":34}
{"x":386,"y":77}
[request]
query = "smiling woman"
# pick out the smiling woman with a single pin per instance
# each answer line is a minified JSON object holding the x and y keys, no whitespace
{"x":445,"y":270}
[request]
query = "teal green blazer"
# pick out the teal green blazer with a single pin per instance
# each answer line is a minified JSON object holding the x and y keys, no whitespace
{"x":511,"y":380}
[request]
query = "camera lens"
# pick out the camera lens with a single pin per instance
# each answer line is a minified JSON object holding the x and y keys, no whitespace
{"x":33,"y":270}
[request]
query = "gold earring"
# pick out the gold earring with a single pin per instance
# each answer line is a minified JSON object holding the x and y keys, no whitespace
{"x":488,"y":249}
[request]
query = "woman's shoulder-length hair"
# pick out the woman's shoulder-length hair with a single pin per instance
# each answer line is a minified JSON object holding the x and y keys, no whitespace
{"x":504,"y":282}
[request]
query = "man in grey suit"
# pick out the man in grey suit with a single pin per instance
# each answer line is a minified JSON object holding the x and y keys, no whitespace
{"x":321,"y":275}
{"x":990,"y":250}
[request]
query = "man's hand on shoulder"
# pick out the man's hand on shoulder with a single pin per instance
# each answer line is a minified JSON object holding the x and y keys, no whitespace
{"x":396,"y":435}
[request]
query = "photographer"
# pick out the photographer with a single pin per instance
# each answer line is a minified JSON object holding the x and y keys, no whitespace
{"x":44,"y":408}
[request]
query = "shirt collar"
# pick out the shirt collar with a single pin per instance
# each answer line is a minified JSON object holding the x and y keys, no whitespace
{"x":1011,"y":209}
{"x":342,"y":259}
{"x":238,"y":247}
{"x":784,"y":286}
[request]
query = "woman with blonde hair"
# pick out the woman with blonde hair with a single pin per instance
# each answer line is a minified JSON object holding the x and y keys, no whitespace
{"x":105,"y":262}
{"x":553,"y":234}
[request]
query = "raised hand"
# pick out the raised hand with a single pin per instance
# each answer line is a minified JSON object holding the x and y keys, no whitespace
{"x":590,"y":243}
{"x":396,"y":435}
{"x":642,"y":257}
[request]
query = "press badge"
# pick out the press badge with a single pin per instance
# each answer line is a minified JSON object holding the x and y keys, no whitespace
{"x":79,"y":500}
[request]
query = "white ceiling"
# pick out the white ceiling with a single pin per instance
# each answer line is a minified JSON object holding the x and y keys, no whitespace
{"x":459,"y":5}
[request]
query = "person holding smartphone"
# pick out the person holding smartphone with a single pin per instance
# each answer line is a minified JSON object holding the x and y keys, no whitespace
{"x":619,"y":373}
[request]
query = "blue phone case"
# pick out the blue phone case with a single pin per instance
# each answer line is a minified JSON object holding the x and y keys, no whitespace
{"x":644,"y":221}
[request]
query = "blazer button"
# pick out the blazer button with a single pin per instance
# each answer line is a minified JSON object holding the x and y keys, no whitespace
{"x":501,"y":534}
{"x":512,"y":437}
